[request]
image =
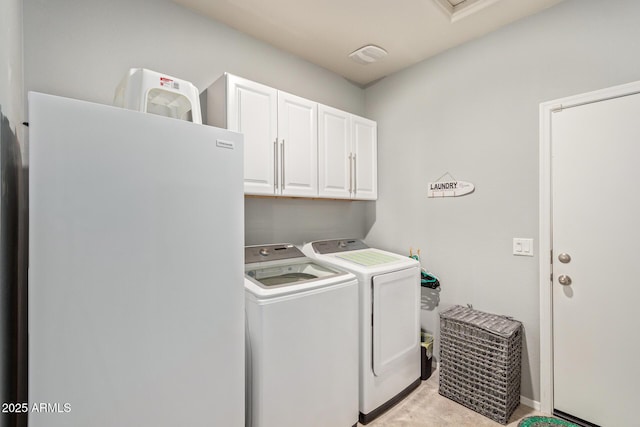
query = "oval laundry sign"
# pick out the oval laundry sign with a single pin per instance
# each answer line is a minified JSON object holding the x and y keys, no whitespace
{"x":449,"y":188}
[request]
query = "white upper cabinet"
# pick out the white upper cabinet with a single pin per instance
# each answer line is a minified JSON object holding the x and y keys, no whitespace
{"x":365,"y":161}
{"x":335,"y":179}
{"x":347,"y":155}
{"x":298,"y":143}
{"x":251,"y":109}
{"x":293,"y":146}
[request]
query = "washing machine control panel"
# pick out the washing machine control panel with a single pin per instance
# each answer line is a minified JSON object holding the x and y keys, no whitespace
{"x":270,"y":253}
{"x":339,"y":245}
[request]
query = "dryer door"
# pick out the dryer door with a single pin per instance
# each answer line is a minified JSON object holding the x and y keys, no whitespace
{"x":395,"y":318}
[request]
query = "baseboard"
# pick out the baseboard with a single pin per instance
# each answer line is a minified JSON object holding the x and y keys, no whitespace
{"x":530,"y":403}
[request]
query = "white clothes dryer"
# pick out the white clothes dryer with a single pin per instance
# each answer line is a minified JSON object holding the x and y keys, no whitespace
{"x":302,"y":351}
{"x":389,"y":311}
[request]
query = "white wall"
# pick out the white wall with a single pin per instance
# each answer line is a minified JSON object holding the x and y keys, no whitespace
{"x":473,"y":112}
{"x":82,"y":50}
{"x":299,"y":221}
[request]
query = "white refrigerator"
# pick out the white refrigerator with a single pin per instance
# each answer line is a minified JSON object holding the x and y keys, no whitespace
{"x":136,"y":243}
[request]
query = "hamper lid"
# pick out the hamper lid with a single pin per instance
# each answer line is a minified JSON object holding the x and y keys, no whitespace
{"x":500,"y":325}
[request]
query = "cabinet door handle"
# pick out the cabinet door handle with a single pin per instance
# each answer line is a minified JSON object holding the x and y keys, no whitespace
{"x":355,"y":175}
{"x":275,"y":165}
{"x":282,"y":164}
{"x":350,"y":174}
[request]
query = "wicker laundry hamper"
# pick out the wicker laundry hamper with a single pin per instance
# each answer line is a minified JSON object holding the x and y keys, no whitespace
{"x":480,"y":359}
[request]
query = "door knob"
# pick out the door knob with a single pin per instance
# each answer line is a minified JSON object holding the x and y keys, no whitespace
{"x":564,"y":258}
{"x":564,"y":280}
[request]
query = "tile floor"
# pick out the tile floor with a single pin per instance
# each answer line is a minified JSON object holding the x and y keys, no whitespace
{"x":425,"y":407}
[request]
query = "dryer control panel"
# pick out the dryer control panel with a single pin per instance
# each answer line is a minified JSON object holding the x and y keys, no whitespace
{"x":339,"y":245}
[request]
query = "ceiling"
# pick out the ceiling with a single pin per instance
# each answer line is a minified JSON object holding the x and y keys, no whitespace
{"x":325,"y":32}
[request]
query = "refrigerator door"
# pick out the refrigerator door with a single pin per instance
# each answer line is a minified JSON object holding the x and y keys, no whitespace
{"x":136,"y":310}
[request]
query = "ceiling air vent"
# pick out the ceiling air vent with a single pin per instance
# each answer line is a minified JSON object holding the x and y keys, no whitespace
{"x":368,"y":54}
{"x":458,"y":9}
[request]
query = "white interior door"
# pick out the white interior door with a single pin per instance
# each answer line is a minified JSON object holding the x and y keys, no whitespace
{"x":596,"y":209}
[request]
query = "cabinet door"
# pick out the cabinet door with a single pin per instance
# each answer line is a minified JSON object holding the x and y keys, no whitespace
{"x":298,"y":143}
{"x":334,"y":153}
{"x":365,"y":149}
{"x":252,"y":110}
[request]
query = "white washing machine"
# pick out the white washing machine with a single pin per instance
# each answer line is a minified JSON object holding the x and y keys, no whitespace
{"x":302,"y":351}
{"x":389,"y":306}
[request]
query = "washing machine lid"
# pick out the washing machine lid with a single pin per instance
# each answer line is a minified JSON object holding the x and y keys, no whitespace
{"x":272,"y":266}
{"x":283,"y":274}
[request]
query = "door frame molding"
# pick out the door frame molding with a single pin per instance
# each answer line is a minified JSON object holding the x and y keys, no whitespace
{"x":545,"y":227}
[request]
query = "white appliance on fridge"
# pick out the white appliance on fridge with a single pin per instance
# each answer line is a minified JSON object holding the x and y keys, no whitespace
{"x":136,"y":297}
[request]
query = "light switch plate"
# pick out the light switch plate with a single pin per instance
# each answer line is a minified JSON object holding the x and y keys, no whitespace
{"x":522,"y":247}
